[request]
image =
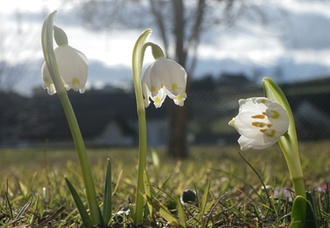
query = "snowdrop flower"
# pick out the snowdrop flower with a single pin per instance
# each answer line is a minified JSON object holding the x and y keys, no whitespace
{"x":284,"y":194}
{"x":260,"y":122}
{"x":72,"y":65}
{"x":164,"y":78}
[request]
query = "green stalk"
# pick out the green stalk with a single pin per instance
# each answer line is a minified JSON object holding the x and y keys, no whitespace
{"x":47,"y":46}
{"x":299,"y":186}
{"x":137,"y":62}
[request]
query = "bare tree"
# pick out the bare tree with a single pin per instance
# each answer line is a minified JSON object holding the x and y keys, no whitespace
{"x":179,"y":24}
{"x":186,"y":25}
{"x":17,"y":40}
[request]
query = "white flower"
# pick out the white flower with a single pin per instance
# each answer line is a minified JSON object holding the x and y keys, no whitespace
{"x":284,"y":194}
{"x":164,"y":78}
{"x":73,"y":69}
{"x":260,"y":122}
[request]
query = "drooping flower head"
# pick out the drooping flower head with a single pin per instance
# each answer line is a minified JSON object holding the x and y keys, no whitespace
{"x":260,"y":122}
{"x":72,"y":65}
{"x":162,"y":78}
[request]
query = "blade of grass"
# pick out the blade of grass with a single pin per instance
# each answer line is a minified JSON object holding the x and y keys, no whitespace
{"x":22,"y":210}
{"x":80,"y":206}
{"x":10,"y":209}
{"x":259,"y":177}
{"x":107,"y":199}
{"x":204,"y":198}
{"x":147,"y":190}
{"x":35,"y":211}
{"x":162,"y":210}
{"x":181,"y":214}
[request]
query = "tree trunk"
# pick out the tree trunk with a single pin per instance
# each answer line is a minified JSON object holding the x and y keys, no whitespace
{"x":177,"y":145}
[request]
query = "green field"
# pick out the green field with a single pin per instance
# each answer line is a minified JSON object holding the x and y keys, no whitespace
{"x":34,"y":193}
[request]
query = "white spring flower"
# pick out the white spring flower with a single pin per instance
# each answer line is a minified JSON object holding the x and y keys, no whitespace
{"x":73,"y":69}
{"x":260,"y":122}
{"x":164,"y":78}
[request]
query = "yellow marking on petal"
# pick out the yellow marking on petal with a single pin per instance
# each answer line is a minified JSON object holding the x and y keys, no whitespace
{"x":263,"y":130}
{"x":157,"y":100}
{"x":258,"y":124}
{"x":174,"y":86}
{"x":75,"y":81}
{"x":153,"y":89}
{"x":232,"y":122}
{"x":47,"y":80}
{"x":179,"y":97}
{"x":275,"y":114}
{"x":271,"y":133}
{"x":259,"y":116}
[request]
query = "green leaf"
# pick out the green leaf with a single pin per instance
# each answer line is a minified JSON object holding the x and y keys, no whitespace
{"x":181,"y":213}
{"x":162,"y":210}
{"x":204,"y":206}
{"x":302,"y":214}
{"x":204,"y":199}
{"x":107,"y":195}
{"x":137,"y":62}
{"x":289,"y":141}
{"x":47,"y":33}
{"x":10,"y":209}
{"x":274,"y":92}
{"x":147,"y":190}
{"x":80,"y":206}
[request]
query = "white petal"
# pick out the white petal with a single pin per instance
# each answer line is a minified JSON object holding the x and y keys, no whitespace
{"x":151,"y":80}
{"x":243,"y":124}
{"x":281,"y":122}
{"x":146,"y":95}
{"x":159,"y":98}
{"x":179,"y":100}
{"x":47,"y":82}
{"x":72,"y":66}
{"x":82,"y":89}
{"x":256,"y":144}
{"x":174,"y":76}
{"x":252,"y":104}
{"x":51,"y":89}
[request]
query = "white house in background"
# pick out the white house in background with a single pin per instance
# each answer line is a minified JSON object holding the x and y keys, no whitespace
{"x":115,"y":134}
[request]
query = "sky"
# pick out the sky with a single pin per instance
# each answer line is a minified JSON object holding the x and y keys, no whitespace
{"x":293,"y":45}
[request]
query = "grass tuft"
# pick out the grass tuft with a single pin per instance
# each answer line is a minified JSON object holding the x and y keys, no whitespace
{"x":34,"y":193}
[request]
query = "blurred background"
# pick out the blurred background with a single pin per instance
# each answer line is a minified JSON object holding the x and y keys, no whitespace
{"x":226,"y":46}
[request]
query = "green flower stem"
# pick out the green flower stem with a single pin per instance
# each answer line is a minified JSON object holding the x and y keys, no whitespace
{"x":82,"y":156}
{"x":157,"y":52}
{"x":137,"y":62}
{"x":47,"y":46}
{"x":299,"y":186}
{"x":288,"y":142}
